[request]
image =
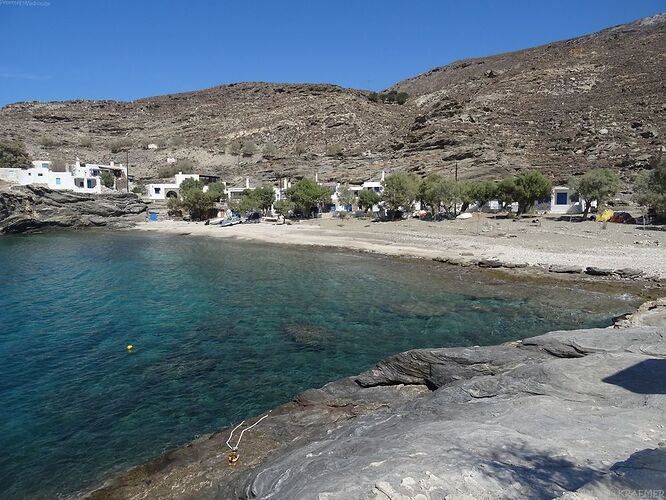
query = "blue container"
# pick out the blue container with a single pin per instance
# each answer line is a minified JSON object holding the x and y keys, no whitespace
{"x":152,"y":216}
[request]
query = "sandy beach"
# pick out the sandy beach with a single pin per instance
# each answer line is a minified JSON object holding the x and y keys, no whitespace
{"x":540,"y":243}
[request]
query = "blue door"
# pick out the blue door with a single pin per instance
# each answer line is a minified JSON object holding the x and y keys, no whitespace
{"x":561,"y":199}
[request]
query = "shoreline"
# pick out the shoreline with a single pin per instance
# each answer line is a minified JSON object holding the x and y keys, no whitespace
{"x":517,"y":248}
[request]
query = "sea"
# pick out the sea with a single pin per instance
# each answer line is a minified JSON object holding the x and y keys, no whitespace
{"x":220,"y":330}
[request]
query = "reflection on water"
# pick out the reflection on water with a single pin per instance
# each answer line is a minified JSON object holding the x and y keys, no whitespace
{"x":221,"y":330}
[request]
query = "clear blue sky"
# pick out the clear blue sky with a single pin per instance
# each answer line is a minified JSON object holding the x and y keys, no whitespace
{"x":126,"y":49}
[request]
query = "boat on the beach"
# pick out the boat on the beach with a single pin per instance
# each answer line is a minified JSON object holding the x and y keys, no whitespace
{"x":232,"y":221}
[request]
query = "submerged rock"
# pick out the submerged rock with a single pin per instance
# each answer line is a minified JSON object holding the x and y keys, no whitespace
{"x":569,"y":414}
{"x":307,"y":334}
{"x":27,"y":209}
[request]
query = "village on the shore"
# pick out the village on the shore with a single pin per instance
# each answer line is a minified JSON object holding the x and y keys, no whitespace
{"x":204,"y":196}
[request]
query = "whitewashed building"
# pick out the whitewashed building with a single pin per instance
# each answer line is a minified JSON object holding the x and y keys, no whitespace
{"x":561,"y":201}
{"x":80,"y":177}
{"x":164,"y":190}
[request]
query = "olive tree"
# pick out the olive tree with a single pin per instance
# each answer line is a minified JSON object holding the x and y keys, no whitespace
{"x":284,"y":207}
{"x":481,"y":192}
{"x":525,"y":189}
{"x":194,"y":200}
{"x":400,"y":190}
{"x":306,"y":195}
{"x":368,"y":199}
{"x":599,"y":184}
{"x":346,"y":196}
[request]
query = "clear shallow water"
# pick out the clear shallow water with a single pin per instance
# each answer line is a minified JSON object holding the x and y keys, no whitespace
{"x":222,"y":330}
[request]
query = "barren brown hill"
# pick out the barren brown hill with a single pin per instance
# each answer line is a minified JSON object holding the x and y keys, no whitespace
{"x":565,"y":107}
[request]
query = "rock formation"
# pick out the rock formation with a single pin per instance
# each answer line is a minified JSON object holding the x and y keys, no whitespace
{"x":570,"y":414}
{"x":29,"y":209}
{"x":565,"y":107}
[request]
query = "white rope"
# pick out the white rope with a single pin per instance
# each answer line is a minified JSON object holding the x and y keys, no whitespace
{"x":234,"y":448}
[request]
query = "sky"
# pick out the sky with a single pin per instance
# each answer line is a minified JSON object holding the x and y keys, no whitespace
{"x":127,"y":49}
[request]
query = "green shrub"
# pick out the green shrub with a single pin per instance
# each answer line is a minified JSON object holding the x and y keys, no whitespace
{"x":139,"y":188}
{"x":120,"y":144}
{"x":13,"y":154}
{"x":248,"y":148}
{"x":390,"y":97}
{"x":108,"y":179}
{"x":48,"y":142}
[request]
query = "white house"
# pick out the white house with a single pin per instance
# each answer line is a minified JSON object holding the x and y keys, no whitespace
{"x":561,"y":202}
{"x":80,"y":177}
{"x":164,"y":190}
{"x":375,"y":185}
{"x":234,"y":193}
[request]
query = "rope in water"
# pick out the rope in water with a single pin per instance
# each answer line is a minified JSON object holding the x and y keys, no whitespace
{"x":234,"y":448}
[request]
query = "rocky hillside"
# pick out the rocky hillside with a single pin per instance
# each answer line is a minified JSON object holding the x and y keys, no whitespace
{"x":564,"y":107}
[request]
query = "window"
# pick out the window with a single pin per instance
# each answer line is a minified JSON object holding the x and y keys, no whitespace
{"x":45,"y":165}
{"x":40,"y":175}
{"x":158,"y":190}
{"x":58,"y":181}
{"x":561,"y":199}
{"x":91,"y":183}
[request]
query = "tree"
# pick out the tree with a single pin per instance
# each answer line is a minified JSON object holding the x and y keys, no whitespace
{"x":526,"y":189}
{"x":368,"y":199}
{"x":651,"y":187}
{"x":195,"y":201}
{"x":437,"y":192}
{"x":108,"y":179}
{"x":506,"y":190}
{"x":249,"y":202}
{"x":284,"y":207}
{"x":191,"y":184}
{"x":140,"y":188}
{"x":216,"y":191}
{"x":13,"y":155}
{"x":481,"y":192}
{"x":306,"y":195}
{"x":598,"y":185}
{"x":174,"y":207}
{"x":400,"y":190}
{"x":346,"y":196}
{"x":265,"y":196}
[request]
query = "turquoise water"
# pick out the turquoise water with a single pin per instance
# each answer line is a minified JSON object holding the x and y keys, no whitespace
{"x":222,"y":330}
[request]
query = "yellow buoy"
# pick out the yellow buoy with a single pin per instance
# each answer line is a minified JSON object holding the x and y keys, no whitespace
{"x":129,"y":348}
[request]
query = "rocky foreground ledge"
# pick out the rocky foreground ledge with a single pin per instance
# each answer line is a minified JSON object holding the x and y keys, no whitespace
{"x":570,"y":414}
{"x":29,"y":209}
